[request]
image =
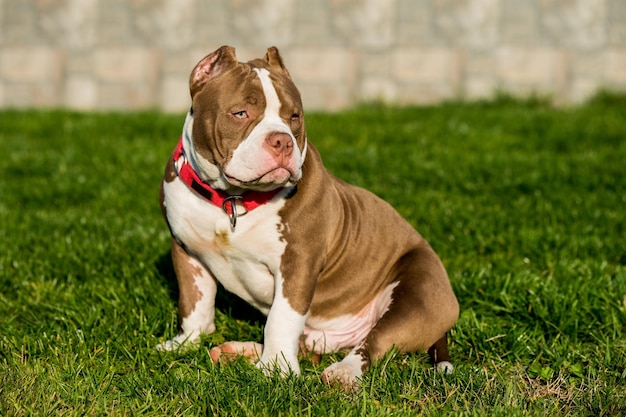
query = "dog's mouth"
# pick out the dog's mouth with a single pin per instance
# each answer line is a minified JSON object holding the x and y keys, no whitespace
{"x":275,"y":178}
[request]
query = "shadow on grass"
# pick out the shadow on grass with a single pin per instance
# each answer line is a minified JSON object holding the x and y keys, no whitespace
{"x":233,"y":306}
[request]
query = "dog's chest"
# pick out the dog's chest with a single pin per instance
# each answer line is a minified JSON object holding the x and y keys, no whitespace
{"x":244,"y":259}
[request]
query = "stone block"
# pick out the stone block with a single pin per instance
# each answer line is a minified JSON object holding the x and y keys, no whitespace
{"x":479,"y":87}
{"x":326,"y":76}
{"x":2,"y":19}
{"x":211,"y":25}
{"x":479,"y":81}
{"x":579,"y":24}
{"x":115,"y":24}
{"x":79,"y":63}
{"x":426,"y":75}
{"x":472,"y":23}
{"x":615,"y":67}
{"x":81,"y":93}
{"x":125,"y":96}
{"x":313,"y":24}
{"x":174,"y":94}
{"x":368,"y":24}
{"x":167,"y":23}
{"x":588,"y":64}
{"x":71,"y":24}
{"x":616,"y":22}
{"x":414,"y":24}
{"x":481,"y":64}
{"x":331,"y":65}
{"x":533,"y":69}
{"x":126,"y":64}
{"x":26,"y":64}
{"x":31,"y":76}
{"x":262,"y":22}
{"x":19,"y":23}
{"x":179,"y":63}
{"x":425,"y":93}
{"x":520,"y":23}
{"x":31,"y":95}
{"x":375,"y":64}
{"x":581,"y":89}
{"x":376,"y":88}
{"x":325,"y":96}
{"x":427,"y":66}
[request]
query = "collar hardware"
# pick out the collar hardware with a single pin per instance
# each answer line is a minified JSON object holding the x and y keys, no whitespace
{"x":220,"y":198}
{"x":232,"y":215}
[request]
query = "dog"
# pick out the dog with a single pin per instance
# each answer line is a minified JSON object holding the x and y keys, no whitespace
{"x":251,"y":206}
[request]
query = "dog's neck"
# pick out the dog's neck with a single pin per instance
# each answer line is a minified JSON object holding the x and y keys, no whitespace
{"x":220,"y":198}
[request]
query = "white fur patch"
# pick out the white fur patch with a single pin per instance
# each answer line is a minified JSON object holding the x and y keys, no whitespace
{"x":282,"y":334}
{"x":244,"y":260}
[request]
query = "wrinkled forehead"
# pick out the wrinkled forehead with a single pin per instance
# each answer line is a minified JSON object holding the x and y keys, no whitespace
{"x":252,"y":83}
{"x":281,"y":82}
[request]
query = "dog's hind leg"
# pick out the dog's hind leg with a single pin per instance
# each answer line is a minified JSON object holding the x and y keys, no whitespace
{"x":440,"y":357}
{"x":230,"y":351}
{"x":423,"y":308}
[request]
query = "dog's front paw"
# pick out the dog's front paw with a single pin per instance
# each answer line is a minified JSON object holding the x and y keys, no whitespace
{"x":285,"y":365}
{"x":182,"y":341}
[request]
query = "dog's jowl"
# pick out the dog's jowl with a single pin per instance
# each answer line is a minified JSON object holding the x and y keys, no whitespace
{"x":250,"y":206}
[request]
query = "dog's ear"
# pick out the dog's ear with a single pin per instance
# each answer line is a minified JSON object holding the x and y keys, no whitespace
{"x":273,"y":58}
{"x":210,"y":67}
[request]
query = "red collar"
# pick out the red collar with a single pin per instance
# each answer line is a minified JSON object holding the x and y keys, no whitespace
{"x":249,"y":199}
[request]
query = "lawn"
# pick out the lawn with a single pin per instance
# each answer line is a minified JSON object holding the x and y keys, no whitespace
{"x":524,"y":202}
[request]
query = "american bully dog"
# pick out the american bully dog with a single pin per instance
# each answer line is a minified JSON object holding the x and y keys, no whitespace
{"x":251,"y":206}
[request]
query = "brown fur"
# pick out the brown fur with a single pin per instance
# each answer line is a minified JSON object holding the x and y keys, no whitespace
{"x":360,"y":245}
{"x":189,"y":294}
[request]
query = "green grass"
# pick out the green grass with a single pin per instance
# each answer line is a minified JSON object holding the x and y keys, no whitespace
{"x":525,"y":203}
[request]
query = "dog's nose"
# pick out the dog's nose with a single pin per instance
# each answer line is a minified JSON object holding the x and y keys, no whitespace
{"x":279,"y":143}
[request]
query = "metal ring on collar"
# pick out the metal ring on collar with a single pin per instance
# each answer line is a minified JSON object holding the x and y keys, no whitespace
{"x":232,"y":216}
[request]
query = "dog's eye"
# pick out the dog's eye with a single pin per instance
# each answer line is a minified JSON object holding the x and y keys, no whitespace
{"x":295,"y":117}
{"x":240,"y":114}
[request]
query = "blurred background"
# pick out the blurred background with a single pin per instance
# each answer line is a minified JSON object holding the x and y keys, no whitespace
{"x":135,"y":54}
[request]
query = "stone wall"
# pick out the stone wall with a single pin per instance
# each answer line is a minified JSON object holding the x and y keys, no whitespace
{"x":129,"y":54}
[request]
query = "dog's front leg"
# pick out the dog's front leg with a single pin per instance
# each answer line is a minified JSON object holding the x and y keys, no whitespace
{"x":196,"y":305}
{"x":283,"y":328}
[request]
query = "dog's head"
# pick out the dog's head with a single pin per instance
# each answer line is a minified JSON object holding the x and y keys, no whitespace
{"x":248,"y":123}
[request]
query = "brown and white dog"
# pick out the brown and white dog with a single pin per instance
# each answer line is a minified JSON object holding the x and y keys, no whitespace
{"x":251,"y":206}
